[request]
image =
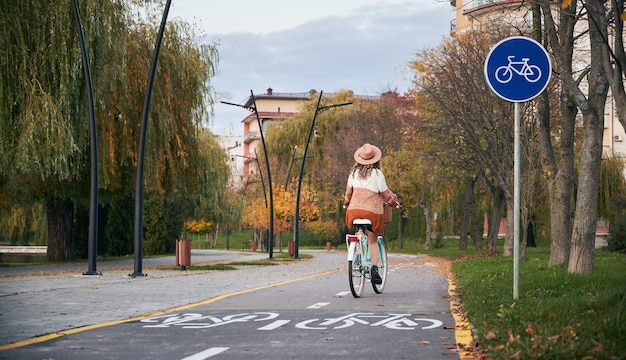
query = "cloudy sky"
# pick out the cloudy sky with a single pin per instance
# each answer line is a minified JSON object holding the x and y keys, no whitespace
{"x":329,"y":45}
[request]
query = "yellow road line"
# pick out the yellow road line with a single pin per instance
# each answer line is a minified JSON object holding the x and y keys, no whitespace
{"x":462,"y":327}
{"x":40,"y":339}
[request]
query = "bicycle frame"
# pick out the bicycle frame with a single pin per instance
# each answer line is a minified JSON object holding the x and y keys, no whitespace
{"x":360,"y":261}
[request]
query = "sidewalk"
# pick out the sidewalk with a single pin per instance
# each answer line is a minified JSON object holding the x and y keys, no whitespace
{"x":43,"y":299}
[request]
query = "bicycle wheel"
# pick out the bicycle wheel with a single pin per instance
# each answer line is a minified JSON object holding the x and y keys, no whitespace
{"x":382,"y":268}
{"x":503,"y":74}
{"x":355,"y":275}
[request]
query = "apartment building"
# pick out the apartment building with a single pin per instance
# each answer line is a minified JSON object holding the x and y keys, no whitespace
{"x":271,"y":107}
{"x":233,"y":145}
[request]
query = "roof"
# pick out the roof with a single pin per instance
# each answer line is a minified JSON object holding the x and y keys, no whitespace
{"x":270,"y":115}
{"x":270,"y":94}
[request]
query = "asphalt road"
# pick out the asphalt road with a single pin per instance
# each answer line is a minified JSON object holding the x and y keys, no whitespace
{"x":301,"y":310}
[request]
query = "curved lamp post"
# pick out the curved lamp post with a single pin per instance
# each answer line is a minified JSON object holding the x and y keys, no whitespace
{"x":92,"y":246}
{"x":318,"y":109}
{"x":253,"y":108}
{"x":142,"y":147}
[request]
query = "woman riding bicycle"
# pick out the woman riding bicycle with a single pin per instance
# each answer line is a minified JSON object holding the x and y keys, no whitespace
{"x":365,"y":194}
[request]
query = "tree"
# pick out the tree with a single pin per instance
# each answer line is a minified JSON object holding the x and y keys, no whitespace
{"x":43,"y":103}
{"x":43,"y":135}
{"x":561,"y":39}
{"x":256,"y":213}
{"x":338,"y":133}
{"x":472,"y":127}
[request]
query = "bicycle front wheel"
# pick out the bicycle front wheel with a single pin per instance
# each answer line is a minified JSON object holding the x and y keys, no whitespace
{"x":382,"y":268}
{"x":356,"y":277}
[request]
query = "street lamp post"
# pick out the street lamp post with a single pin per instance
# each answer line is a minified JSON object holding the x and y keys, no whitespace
{"x":92,"y":246}
{"x":139,"y":186}
{"x":253,"y":108}
{"x":318,"y":109}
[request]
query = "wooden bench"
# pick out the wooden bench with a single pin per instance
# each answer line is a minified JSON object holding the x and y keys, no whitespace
{"x":245,"y":246}
{"x":23,"y":249}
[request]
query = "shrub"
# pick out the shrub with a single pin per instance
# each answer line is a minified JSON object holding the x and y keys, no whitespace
{"x":616,"y":240}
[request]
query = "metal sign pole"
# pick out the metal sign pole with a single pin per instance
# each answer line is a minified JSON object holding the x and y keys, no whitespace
{"x":517,"y":69}
{"x":516,"y":202}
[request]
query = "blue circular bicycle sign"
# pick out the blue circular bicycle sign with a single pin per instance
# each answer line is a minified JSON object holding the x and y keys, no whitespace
{"x":518,"y":69}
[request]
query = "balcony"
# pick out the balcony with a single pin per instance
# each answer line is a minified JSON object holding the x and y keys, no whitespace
{"x":477,"y":6}
{"x":251,"y":136}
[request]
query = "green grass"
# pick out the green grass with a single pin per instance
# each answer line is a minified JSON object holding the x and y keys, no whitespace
{"x":238,"y":238}
{"x":557,"y":315}
{"x":234,"y":265}
{"x":224,"y":266}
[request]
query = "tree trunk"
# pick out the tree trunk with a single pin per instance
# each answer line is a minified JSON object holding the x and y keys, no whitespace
{"x":476,"y":231}
{"x":402,"y":219}
{"x":525,"y":235}
{"x":60,"y":222}
{"x":279,"y":241}
{"x":214,"y":236}
{"x":558,"y":168}
{"x":429,"y":227}
{"x":510,"y":227}
{"x":559,"y":173}
{"x":560,"y":187}
{"x":227,"y":237}
{"x":468,"y":211}
{"x":493,"y":223}
{"x":581,"y":259}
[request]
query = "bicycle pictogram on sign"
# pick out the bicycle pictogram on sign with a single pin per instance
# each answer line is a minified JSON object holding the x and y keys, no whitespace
{"x":517,"y":69}
{"x":504,"y":74}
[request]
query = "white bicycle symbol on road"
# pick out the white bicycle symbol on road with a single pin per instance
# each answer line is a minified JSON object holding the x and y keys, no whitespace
{"x":504,"y":74}
{"x":200,"y":321}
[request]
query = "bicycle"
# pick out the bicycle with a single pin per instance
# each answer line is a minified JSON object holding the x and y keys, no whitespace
{"x":504,"y":73}
{"x":360,"y":261}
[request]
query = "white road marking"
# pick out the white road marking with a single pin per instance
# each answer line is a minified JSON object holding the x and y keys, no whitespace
{"x":342,"y":293}
{"x":275,"y":325}
{"x":206,"y":353}
{"x":318,"y":305}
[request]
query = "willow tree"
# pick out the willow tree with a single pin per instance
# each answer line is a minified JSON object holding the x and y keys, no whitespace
{"x":44,"y":138}
{"x":44,"y":126}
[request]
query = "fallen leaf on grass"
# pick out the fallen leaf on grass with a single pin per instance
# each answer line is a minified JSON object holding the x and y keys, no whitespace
{"x":490,"y":335}
{"x":599,"y":348}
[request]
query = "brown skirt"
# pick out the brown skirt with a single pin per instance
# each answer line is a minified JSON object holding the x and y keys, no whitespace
{"x":378,"y":224}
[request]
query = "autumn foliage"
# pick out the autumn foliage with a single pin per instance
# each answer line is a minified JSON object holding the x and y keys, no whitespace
{"x":257,"y":215}
{"x":198,"y":226}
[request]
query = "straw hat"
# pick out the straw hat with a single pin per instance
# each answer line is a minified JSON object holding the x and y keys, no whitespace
{"x":367,"y":154}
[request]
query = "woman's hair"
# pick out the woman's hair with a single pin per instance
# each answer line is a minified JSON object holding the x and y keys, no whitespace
{"x":364,"y":171}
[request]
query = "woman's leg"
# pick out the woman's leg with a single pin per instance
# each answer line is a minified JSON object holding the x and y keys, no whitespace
{"x":374,"y":252}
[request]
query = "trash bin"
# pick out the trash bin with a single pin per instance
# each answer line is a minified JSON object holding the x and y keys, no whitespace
{"x":291,"y":248}
{"x":183,"y":253}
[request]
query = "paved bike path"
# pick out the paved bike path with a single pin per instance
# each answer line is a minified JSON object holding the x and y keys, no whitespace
{"x":52,"y":299}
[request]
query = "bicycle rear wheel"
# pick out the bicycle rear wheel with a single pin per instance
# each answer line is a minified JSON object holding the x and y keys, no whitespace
{"x":382,"y":268}
{"x":356,"y":277}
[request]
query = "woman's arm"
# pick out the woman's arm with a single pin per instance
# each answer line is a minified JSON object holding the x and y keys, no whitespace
{"x":347,"y":196}
{"x":390,"y":198}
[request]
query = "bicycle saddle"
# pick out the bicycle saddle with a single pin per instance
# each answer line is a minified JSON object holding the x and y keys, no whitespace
{"x":356,"y":222}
